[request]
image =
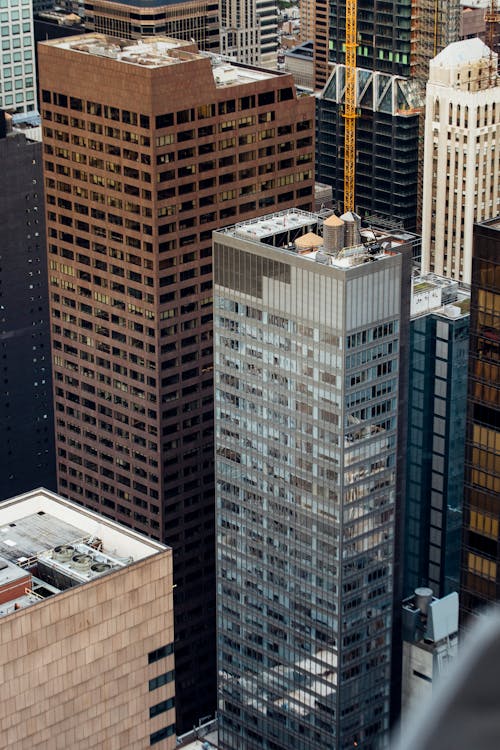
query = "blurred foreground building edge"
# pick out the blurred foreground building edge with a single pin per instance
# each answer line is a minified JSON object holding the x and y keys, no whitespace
{"x":86,"y":629}
{"x":309,"y":320}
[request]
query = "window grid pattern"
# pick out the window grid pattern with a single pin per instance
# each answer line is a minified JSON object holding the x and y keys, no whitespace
{"x":305,"y":468}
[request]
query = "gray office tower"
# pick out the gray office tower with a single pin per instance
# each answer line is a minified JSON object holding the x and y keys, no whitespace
{"x":26,"y":415}
{"x":307,"y":358}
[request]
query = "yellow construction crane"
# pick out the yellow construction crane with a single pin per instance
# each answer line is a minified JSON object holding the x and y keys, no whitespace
{"x":491,"y":19}
{"x":349,"y":113}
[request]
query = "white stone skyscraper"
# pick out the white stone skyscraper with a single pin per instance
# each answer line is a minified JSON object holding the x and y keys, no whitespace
{"x":307,"y":342}
{"x":462,"y":155}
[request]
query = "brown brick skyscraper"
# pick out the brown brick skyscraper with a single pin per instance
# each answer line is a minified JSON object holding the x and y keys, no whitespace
{"x":148,"y":148}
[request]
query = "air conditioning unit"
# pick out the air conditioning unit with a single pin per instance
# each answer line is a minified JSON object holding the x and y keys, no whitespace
{"x":70,"y":565}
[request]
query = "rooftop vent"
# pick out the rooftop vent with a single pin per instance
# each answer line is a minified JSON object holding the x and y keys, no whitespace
{"x":63,"y":552}
{"x":100,"y":567}
{"x":81,"y":562}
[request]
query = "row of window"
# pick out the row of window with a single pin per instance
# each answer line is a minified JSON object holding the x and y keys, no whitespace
{"x":162,"y":679}
{"x":266,"y":98}
{"x":15,"y":43}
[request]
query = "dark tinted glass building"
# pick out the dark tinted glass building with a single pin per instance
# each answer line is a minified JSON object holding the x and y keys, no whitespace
{"x":26,"y":414}
{"x":386,"y":182}
{"x":439,"y":342}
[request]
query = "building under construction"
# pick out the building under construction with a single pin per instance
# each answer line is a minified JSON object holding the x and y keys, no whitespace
{"x":394,"y":44}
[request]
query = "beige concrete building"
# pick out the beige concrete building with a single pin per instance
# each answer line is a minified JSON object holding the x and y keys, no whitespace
{"x":307,"y":9}
{"x":299,"y":61}
{"x":461,"y":177}
{"x":86,"y":630}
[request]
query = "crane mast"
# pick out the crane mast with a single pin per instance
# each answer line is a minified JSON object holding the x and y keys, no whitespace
{"x":349,"y":113}
{"x":491,"y":19}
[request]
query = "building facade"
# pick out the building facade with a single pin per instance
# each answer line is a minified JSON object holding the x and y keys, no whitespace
{"x":306,"y":381}
{"x":300,"y":63}
{"x":17,"y":62}
{"x":249,"y":31}
{"x":189,"y":20}
{"x":462,"y":155}
{"x":439,"y":345}
{"x":307,"y":11}
{"x":135,"y":187}
{"x":86,"y":630}
{"x":267,"y":10}
{"x":27,"y":458}
{"x":480,"y":582}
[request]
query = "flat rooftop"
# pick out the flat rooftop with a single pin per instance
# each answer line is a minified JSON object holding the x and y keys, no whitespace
{"x":161,"y":52}
{"x":431,"y":293}
{"x":309,"y":235}
{"x":55,"y":545}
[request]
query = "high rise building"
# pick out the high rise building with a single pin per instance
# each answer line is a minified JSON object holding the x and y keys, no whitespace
{"x":480,"y":583}
{"x":439,"y":343}
{"x":249,"y":30}
{"x":17,"y":61}
{"x":267,"y":11}
{"x":150,"y":146}
{"x":398,"y":38}
{"x":27,"y":457}
{"x":190,"y":20}
{"x":395,"y":42}
{"x":86,"y":630}
{"x":307,"y":15}
{"x":307,"y":357}
{"x":462,"y":155}
{"x":434,"y":25}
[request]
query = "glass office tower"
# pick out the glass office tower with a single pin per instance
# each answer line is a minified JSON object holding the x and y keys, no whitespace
{"x":306,"y":376}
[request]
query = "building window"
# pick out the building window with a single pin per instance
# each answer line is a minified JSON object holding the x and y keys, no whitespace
{"x":160,"y":653}
{"x":162,"y":679}
{"x":161,"y":707}
{"x":161,"y":734}
{"x":482,"y":567}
